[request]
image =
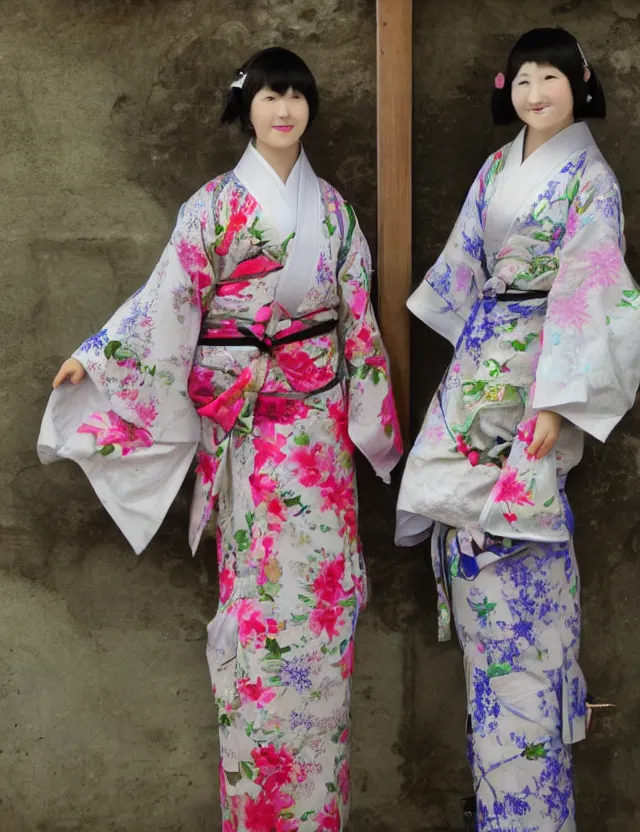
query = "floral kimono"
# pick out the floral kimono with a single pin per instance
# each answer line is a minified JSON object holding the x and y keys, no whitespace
{"x":533,"y":293}
{"x":253,"y":347}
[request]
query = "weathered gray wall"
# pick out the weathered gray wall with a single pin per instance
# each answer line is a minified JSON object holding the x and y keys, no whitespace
{"x":108,"y":121}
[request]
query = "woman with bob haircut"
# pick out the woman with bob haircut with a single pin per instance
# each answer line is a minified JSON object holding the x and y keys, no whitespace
{"x":254,"y":347}
{"x":533,"y":293}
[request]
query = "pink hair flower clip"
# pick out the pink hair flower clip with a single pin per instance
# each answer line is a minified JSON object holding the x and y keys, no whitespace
{"x":499,"y":82}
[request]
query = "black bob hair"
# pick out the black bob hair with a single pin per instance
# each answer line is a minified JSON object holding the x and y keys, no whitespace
{"x":553,"y":47}
{"x":278,"y":69}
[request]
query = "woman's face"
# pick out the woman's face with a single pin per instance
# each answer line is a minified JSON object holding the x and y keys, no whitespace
{"x":279,"y":120}
{"x":542,"y":97}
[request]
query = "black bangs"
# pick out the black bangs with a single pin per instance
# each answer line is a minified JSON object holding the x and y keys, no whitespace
{"x":558,"y":48}
{"x":278,"y":69}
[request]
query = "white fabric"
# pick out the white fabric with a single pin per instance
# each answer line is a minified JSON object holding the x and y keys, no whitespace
{"x":294,"y":207}
{"x":519,"y":179}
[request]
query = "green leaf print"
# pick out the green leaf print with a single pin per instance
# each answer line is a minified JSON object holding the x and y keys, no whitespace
{"x":574,"y":588}
{"x":540,"y":207}
{"x":348,"y":602}
{"x":299,"y":619}
{"x":249,"y":517}
{"x":495,"y":670}
{"x":105,"y":450}
{"x":521,"y":346}
{"x":484,"y":609}
{"x":287,"y":241}
{"x":632,"y":293}
{"x":307,"y":815}
{"x":224,"y":719}
{"x":249,"y":729}
{"x":305,"y":599}
{"x":330,"y":227}
{"x":111,"y":347}
{"x":535,"y":751}
{"x":275,"y":651}
{"x":324,"y":528}
{"x":331,"y":787}
{"x":574,"y":190}
{"x":549,"y":502}
{"x":242,"y":539}
{"x":293,"y":501}
{"x":219,"y":228}
{"x":303,"y":439}
{"x":247,"y":770}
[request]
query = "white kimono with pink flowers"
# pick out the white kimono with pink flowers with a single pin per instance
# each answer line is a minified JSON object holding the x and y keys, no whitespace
{"x":533,"y":293}
{"x":255,"y":347}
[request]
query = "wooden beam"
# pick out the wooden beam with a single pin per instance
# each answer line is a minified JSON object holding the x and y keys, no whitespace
{"x":394,"y":84}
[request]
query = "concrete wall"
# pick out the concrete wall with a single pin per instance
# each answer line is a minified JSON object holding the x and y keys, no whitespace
{"x":108,"y":121}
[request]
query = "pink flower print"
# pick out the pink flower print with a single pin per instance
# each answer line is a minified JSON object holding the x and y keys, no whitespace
{"x":255,"y":692}
{"x":268,"y":451}
{"x":604,"y":266}
{"x":207,"y":467}
{"x":359,"y":301}
{"x":570,"y":312}
{"x":347,"y":661}
{"x":344,"y":782}
{"x":527,"y":429}
{"x":276,"y":514}
{"x":338,"y":412}
{"x":262,"y":487}
{"x":146,"y":412}
{"x":378,"y":361}
{"x":302,"y":371}
{"x":327,"y":619}
{"x":280,"y":411}
{"x":228,"y":825}
{"x":328,"y":585}
{"x":275,"y":767}
{"x":328,"y":819}
{"x":225,"y":408}
{"x":128,"y":395}
{"x":510,"y":517}
{"x":463,"y":278}
{"x":253,"y":628}
{"x":509,"y":489}
{"x":261,"y":813}
{"x":237,"y":221}
{"x":359,"y":344}
{"x":110,"y":431}
{"x":389,"y":421}
{"x":200,"y":385}
{"x":233,"y":288}
{"x":573,"y":223}
{"x":310,"y":471}
{"x":194,"y":261}
{"x":254,"y":267}
{"x":474,"y":458}
{"x":227,"y":580}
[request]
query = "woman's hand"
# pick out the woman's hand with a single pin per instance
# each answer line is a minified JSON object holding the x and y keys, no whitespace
{"x":546,"y":434}
{"x":72,"y":370}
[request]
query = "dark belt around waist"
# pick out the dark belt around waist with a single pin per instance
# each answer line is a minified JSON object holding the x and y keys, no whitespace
{"x":515,"y":296}
{"x":250,"y":339}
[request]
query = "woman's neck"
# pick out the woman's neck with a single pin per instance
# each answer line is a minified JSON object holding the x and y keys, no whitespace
{"x":281,"y":160}
{"x":536,"y":138}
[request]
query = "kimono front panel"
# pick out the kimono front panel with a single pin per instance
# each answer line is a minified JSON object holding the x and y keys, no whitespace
{"x":562,"y":235}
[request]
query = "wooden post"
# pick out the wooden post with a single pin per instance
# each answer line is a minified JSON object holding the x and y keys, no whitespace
{"x":394,"y":83}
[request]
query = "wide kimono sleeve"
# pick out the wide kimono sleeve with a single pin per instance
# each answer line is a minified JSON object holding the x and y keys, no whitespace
{"x":130,"y":424}
{"x":449,"y":289}
{"x":372,"y":419}
{"x":589,"y":368}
